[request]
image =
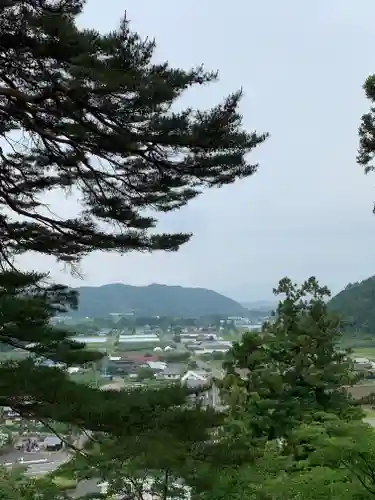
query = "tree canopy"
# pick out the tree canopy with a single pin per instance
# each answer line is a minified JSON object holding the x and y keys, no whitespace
{"x":292,"y":370}
{"x":286,"y":405}
{"x":93,"y":114}
{"x":355,"y":305}
{"x":366,"y":150}
{"x":287,"y":430}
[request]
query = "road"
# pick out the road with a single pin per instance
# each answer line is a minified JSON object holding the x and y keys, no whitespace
{"x":38,"y":463}
{"x":41,"y":469}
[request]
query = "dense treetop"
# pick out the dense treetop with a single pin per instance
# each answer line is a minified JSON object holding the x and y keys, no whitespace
{"x":93,"y":114}
{"x":292,"y":370}
{"x":356,"y":305}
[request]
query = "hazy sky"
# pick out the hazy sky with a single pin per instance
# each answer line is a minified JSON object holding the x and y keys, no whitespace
{"x":308,"y":210}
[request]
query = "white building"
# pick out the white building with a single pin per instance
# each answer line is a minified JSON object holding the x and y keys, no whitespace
{"x":200,"y":352}
{"x":134,"y":339}
{"x":73,"y":369}
{"x":199,"y":379}
{"x":90,"y":340}
{"x":363,"y":364}
{"x":157,"y":365}
{"x":188,"y":337}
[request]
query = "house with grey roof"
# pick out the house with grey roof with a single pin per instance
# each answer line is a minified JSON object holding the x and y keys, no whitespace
{"x":157,"y":366}
{"x":172,"y":372}
{"x":208,"y":393}
{"x":52,"y":443}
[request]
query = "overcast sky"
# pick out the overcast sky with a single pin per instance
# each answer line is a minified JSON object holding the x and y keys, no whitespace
{"x":308,"y":210}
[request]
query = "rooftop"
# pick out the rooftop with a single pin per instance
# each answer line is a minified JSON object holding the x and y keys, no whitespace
{"x":157,"y":365}
{"x":52,"y":441}
{"x":90,"y":340}
{"x":174,"y":369}
{"x":195,"y":379}
{"x":138,"y":338}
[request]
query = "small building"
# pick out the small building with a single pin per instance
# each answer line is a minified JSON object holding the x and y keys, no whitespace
{"x":188,"y":337}
{"x":52,"y":443}
{"x":149,"y":338}
{"x":363,"y":365}
{"x":73,"y":369}
{"x":172,"y":372}
{"x":157,"y":365}
{"x":193,"y":379}
{"x":207,"y":337}
{"x":9,"y":414}
{"x":209,"y":347}
{"x":104,"y":331}
{"x":208,"y":394}
{"x":121,"y":366}
{"x":90,"y":340}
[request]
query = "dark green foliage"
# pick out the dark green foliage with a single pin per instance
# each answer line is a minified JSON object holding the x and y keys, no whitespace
{"x":164,"y":458}
{"x":219,"y":356}
{"x":145,"y":373}
{"x":366,"y":131}
{"x":336,"y":461}
{"x":192,"y":365}
{"x":283,"y":388}
{"x":356,"y":305}
{"x":154,"y":300}
{"x":26,"y":308}
{"x":291,"y":371}
{"x":94,"y":114}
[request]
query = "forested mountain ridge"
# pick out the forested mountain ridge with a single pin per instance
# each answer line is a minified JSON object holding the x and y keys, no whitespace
{"x":154,"y":300}
{"x":356,"y":304}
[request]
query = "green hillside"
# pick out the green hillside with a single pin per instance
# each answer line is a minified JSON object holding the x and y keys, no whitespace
{"x":155,"y":300}
{"x":356,"y":303}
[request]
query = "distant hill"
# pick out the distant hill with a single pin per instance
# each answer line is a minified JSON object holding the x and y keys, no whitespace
{"x":356,"y":303}
{"x":260,"y":305}
{"x":154,"y":300}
